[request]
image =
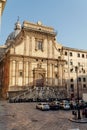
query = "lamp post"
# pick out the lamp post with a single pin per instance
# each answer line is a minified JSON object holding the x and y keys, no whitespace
{"x":78,"y":108}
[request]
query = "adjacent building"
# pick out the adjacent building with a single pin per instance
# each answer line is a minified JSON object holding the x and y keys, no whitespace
{"x":75,"y":71}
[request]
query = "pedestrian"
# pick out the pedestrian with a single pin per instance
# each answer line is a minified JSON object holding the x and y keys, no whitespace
{"x":84,"y":113}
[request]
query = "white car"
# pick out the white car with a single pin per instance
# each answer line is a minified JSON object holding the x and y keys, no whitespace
{"x":66,"y":106}
{"x":43,"y":106}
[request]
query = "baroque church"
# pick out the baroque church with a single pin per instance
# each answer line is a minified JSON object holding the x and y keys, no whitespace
{"x":32,"y":60}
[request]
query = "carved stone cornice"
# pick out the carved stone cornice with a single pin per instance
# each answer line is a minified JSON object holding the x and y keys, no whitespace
{"x":34,"y":57}
{"x":39,"y":28}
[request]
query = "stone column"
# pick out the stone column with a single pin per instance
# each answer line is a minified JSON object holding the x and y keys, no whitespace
{"x":16,"y":75}
{"x":14,"y":72}
{"x":36,"y":45}
{"x":48,"y":50}
{"x":53,"y":79}
{"x":24,"y":72}
{"x":53,"y":51}
{"x":60,"y":74}
{"x":48,"y":74}
{"x":43,"y":45}
{"x":29,"y":73}
{"x":10,"y":73}
{"x":63,"y":75}
{"x":30,"y":49}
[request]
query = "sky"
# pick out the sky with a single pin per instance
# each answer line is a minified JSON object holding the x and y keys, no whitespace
{"x":67,"y":17}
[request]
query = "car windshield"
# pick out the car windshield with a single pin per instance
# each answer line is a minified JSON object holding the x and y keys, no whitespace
{"x":45,"y":104}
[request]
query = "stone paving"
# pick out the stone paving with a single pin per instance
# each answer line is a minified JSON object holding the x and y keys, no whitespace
{"x":25,"y":116}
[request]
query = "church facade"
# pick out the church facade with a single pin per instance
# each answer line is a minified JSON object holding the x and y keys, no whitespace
{"x":31,"y":58}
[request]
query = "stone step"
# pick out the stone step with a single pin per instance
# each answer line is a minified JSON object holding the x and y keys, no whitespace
{"x":42,"y":93}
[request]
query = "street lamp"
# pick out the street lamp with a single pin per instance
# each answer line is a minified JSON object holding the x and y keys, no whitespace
{"x":78,"y":107}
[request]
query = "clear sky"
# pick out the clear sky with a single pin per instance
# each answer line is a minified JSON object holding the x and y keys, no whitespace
{"x":67,"y":17}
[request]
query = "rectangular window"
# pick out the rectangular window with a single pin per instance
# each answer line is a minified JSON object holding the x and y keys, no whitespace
{"x":71,"y":80}
{"x":82,"y":55}
{"x":84,"y":79}
{"x":71,"y":63}
{"x":78,"y":55}
{"x":71,"y":70}
{"x":40,"y":45}
{"x":83,"y":71}
{"x":72,"y":87}
{"x":70,"y":53}
{"x":66,"y":53}
{"x":56,"y":76}
{"x":79,"y":79}
{"x":20,"y":73}
{"x":84,"y":86}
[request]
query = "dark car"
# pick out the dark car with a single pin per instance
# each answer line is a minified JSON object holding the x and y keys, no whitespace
{"x":54,"y":105}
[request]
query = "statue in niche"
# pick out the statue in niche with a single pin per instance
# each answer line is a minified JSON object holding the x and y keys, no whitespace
{"x":39,"y":65}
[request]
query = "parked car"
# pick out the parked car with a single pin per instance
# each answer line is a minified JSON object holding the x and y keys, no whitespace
{"x":43,"y":106}
{"x":65,"y":105}
{"x":54,"y":105}
{"x":73,"y":104}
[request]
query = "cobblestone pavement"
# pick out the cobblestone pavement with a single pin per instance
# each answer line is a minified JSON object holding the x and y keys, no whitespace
{"x":25,"y":116}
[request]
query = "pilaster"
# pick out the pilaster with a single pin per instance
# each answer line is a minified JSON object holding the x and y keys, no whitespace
{"x":30,"y":43}
{"x":16,"y":75}
{"x":29,"y":73}
{"x":53,"y":81}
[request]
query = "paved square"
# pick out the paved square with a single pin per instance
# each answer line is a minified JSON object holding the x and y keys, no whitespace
{"x":25,"y":116}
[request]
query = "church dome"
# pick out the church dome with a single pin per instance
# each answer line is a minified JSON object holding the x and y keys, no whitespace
{"x":16,"y":31}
